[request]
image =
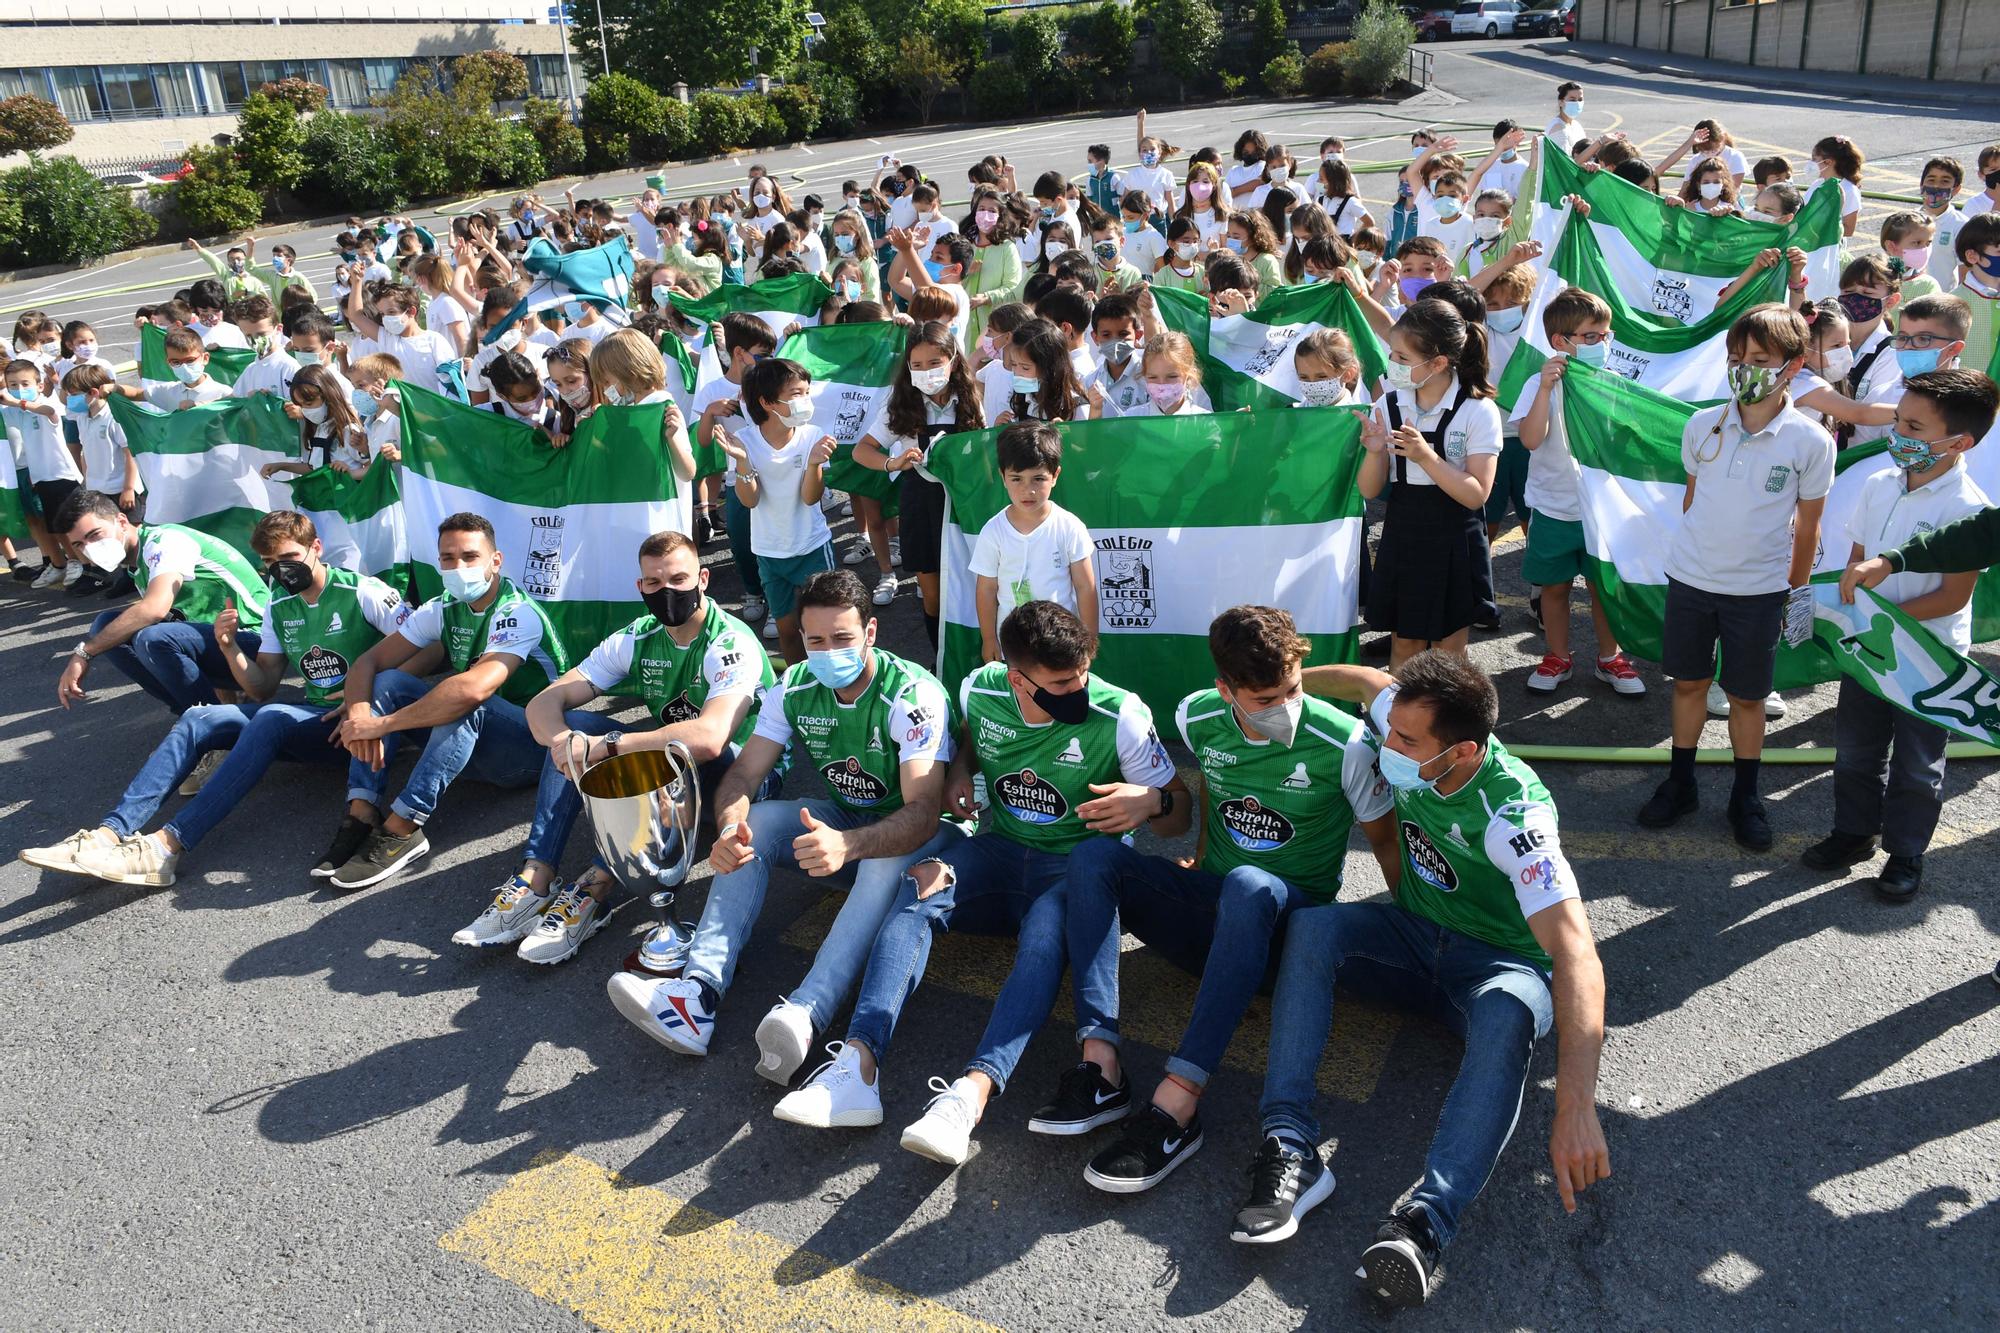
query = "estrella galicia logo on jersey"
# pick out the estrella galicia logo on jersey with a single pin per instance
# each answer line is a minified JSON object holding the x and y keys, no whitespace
{"x":323,"y":667}
{"x":852,"y":783}
{"x":680,"y":708}
{"x":1125,"y":582}
{"x":1429,"y":863}
{"x":1029,"y":799}
{"x":542,"y":574}
{"x":1254,"y":826}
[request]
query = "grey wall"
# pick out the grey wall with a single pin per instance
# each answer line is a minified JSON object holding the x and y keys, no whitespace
{"x":1902,"y":36}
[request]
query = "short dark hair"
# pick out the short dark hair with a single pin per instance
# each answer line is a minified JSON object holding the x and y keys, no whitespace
{"x":1066,"y":305}
{"x":744,"y":332}
{"x":467,"y":521}
{"x":83,"y":504}
{"x":1978,"y":232}
{"x":1966,"y":399}
{"x":1118,"y":305}
{"x":959,"y":249}
{"x":254,"y":306}
{"x":837,"y":589}
{"x":1045,"y":635}
{"x":1255,"y":646}
{"x":207,"y":294}
{"x":1503,"y":129}
{"x":666,"y":542}
{"x":1026,"y":445}
{"x":1099,"y":150}
{"x":1462,"y":702}
{"x":765,"y":380}
{"x":308,"y":319}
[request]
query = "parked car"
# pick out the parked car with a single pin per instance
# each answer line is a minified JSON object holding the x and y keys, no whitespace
{"x":1485,"y":18}
{"x":1433,"y":21}
{"x":1546,"y":19}
{"x":1569,"y":22}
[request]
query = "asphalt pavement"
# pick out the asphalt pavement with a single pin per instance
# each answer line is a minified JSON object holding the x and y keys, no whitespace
{"x":248,"y":1102}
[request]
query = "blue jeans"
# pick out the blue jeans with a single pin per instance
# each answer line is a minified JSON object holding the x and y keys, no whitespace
{"x":254,"y":735}
{"x":1218,"y":927}
{"x":1004,"y":888}
{"x":175,"y":661}
{"x":1499,"y":1002}
{"x":736,"y":899}
{"x":491,"y":744}
{"x":736,"y":522}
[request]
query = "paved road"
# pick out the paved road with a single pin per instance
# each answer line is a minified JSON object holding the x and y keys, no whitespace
{"x":244,"y":1102}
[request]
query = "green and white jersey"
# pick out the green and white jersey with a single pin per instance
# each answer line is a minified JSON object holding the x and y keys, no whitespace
{"x":1286,"y":810}
{"x":1486,"y":858}
{"x":211,"y":572}
{"x":903,"y":717}
{"x":513,"y":624}
{"x":725,"y":660}
{"x":321,"y":639}
{"x":1038,"y":773}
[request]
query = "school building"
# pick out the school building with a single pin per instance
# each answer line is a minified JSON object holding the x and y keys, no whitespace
{"x":1954,"y":40}
{"x":143,"y":80}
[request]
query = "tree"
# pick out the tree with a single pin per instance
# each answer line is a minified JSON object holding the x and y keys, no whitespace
{"x":621,"y":116}
{"x":349,"y":164}
{"x":662,"y":42}
{"x":29,"y":125}
{"x":1267,"y":31}
{"x":924,"y":71}
{"x":1037,"y":50}
{"x":561,"y":141}
{"x":303,"y":95}
{"x":507,"y":71}
{"x":52,"y":211}
{"x":1186,"y":33}
{"x":444,"y":141}
{"x":1104,"y":36}
{"x":215,"y":197}
{"x":270,"y":143}
{"x":1377,"y":48}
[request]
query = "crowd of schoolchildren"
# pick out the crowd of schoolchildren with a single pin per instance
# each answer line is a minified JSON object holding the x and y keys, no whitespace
{"x":1031,"y":305}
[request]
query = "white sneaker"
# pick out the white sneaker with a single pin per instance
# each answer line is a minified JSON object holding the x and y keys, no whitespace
{"x":72,"y":574}
{"x":885,"y":590}
{"x":857,"y":554}
{"x":204,"y":769}
{"x":507,"y":918}
{"x":944,"y":1132}
{"x":50,"y":576}
{"x":62,"y":855}
{"x":771,"y":627}
{"x":835,"y":1097}
{"x":846,"y":506}
{"x":670,"y":1010}
{"x":1774,"y":706}
{"x":896,"y":550}
{"x":1718,"y":702}
{"x":784,"y":1039}
{"x":135,"y":860}
{"x":570,"y":920}
{"x":753,"y":609}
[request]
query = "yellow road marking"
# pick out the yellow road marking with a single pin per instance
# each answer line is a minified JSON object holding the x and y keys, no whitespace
{"x":634,"y":1258}
{"x":1157,"y":998}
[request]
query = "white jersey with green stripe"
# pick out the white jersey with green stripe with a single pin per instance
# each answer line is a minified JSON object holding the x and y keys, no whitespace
{"x":212,"y":573}
{"x":513,"y":624}
{"x":1038,"y":773}
{"x":723,"y":660}
{"x":1286,"y":809}
{"x":321,"y":639}
{"x":859,"y":748}
{"x":1484,"y":859}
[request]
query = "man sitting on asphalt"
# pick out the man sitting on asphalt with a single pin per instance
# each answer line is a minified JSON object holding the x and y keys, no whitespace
{"x":699,"y":670}
{"x":1066,"y":756}
{"x":1487,"y":931}
{"x":322,"y":619}
{"x":500,"y":652}
{"x":165,"y":641}
{"x":1284,"y":779}
{"x":878,"y":729}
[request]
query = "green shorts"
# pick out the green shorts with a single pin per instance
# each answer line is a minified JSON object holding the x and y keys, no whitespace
{"x":783,"y":576}
{"x":1555,"y":552}
{"x":1510,"y":483}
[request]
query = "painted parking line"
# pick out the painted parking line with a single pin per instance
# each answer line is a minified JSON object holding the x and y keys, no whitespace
{"x":631,"y":1258}
{"x":1156,"y":999}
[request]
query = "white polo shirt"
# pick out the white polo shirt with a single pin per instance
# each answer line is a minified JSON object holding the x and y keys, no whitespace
{"x":1474,"y":429}
{"x":1944,"y":253}
{"x":1888,"y":514}
{"x":782,"y":525}
{"x":38,"y":443}
{"x":104,"y":452}
{"x":1736,"y":537}
{"x":271,"y":373}
{"x":1034,"y":565}
{"x":1157,"y":183}
{"x":1555,"y":486}
{"x":1883,"y":384}
{"x":1568,"y":133}
{"x":168,"y":395}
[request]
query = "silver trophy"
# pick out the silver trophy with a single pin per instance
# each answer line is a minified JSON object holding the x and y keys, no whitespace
{"x":645,"y":807}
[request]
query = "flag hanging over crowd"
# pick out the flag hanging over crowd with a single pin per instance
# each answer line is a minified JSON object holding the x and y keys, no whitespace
{"x":224,"y":363}
{"x":568,"y":521}
{"x":853,"y":367}
{"x":600,"y":276}
{"x":202,"y":465}
{"x":1247,"y":360}
{"x":361,"y":524}
{"x":1189,"y":516}
{"x":795,"y":298}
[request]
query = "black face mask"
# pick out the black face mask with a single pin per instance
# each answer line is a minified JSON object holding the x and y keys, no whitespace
{"x":1068,"y":709}
{"x":1993,"y":180}
{"x":294,"y":576}
{"x":673,"y":607}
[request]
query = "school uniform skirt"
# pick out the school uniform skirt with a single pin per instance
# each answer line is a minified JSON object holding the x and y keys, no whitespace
{"x":920,"y":522}
{"x":1433,"y":573}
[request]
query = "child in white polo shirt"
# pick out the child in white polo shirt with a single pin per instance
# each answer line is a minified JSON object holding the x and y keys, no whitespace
{"x":1757,"y":476}
{"x":1942,"y":414}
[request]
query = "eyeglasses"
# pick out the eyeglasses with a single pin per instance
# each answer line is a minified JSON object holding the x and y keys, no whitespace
{"x":1589,"y":339}
{"x":1921,"y":342}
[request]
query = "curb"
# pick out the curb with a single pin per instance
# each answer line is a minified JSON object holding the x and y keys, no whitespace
{"x":1797,"y":81}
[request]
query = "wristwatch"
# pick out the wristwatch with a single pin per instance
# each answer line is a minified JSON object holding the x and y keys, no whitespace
{"x":81,"y":650}
{"x":611,"y":739}
{"x":1166,"y":803}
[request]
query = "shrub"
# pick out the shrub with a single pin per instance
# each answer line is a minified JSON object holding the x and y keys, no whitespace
{"x":349,"y":165}
{"x":1323,"y":76}
{"x":520,"y":162}
{"x":850,"y":48}
{"x":998,"y":90}
{"x":1377,"y":48}
{"x":52,"y":211}
{"x":1285,"y":75}
{"x":216,"y":195}
{"x":924,"y":71}
{"x":270,"y":142}
{"x":139,"y":224}
{"x":799,"y":105}
{"x":719,"y":122}
{"x":1267,"y":31}
{"x":509,"y":74}
{"x":443,"y":142}
{"x":303,"y":95}
{"x":839,"y":100}
{"x":1103,"y":38}
{"x":29,"y":125}
{"x":1186,"y":33}
{"x":620,"y":115}
{"x":1037,"y":46}
{"x":560,"y":140}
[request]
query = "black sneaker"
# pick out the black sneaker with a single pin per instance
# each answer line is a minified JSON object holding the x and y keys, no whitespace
{"x":1900,"y":879}
{"x":1083,"y":1101}
{"x":84,"y":586}
{"x":1399,"y":1266}
{"x":347,"y":841}
{"x":26,"y":573}
{"x":1285,"y":1185}
{"x":1750,"y":824}
{"x":1151,"y":1146}
{"x":120,"y":586}
{"x":1535,"y":609}
{"x":1487,"y":622}
{"x":1838,"y":851}
{"x":383,"y":855}
{"x":1670,"y":803}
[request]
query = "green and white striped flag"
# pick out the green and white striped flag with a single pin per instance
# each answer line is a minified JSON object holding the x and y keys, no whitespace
{"x":1901,"y":662}
{"x":569,"y":521}
{"x":1246,"y":360}
{"x":201,"y":464}
{"x":1190,"y":516}
{"x":361,"y":522}
{"x":224,"y":363}
{"x":13,"y":522}
{"x":853,"y":368}
{"x":600,"y":276}
{"x":795,"y":298}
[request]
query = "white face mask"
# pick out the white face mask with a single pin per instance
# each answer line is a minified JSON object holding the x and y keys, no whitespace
{"x":930,"y":381}
{"x":187,"y":372}
{"x":85,"y":351}
{"x":1280,"y":174}
{"x":1711,"y":190}
{"x":761,"y":199}
{"x":1839,"y":360}
{"x":578,"y":397}
{"x":466,"y":584}
{"x":528,"y":411}
{"x":396,"y":324}
{"x":1187,"y":249}
{"x":1401,"y":376}
{"x":796,"y":413}
{"x":316,"y":415}
{"x":1321,"y":393}
{"x":106,"y":553}
{"x":1488,"y":229}
{"x":617,"y":397}
{"x":509,"y":340}
{"x":1280,"y":722}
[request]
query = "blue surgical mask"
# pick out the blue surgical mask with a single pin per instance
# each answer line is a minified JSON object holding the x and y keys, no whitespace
{"x":1447,"y":207}
{"x":365,"y":404}
{"x":1572,"y":109}
{"x":935,"y":269}
{"x":1913,"y":362}
{"x":836,"y":668}
{"x":78,"y":404}
{"x":467,"y":585}
{"x":1406,"y":774}
{"x":843,"y":242}
{"x":1594,"y":355}
{"x":26,"y":394}
{"x":662,"y":296}
{"x":850,"y":289}
{"x":1509,"y":155}
{"x":1508,"y":320}
{"x":1234,"y":244}
{"x":1027,"y":385}
{"x":573,"y":311}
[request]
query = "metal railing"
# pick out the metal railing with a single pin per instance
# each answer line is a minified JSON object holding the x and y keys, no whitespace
{"x":1418,"y":70}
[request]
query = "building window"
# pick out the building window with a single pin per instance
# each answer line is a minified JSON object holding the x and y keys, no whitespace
{"x":380,"y":76}
{"x":223,"y":88}
{"x":23,"y":83}
{"x":78,"y":95}
{"x":545,"y":77}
